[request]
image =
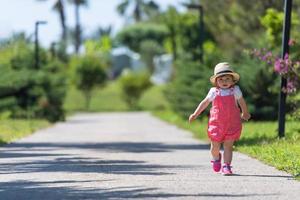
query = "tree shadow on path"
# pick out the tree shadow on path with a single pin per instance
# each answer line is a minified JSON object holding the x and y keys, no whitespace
{"x":38,"y":158}
{"x":132,"y":147}
{"x":30,"y":190}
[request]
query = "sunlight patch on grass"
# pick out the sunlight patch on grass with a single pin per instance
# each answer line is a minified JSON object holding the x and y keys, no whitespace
{"x":13,"y":129}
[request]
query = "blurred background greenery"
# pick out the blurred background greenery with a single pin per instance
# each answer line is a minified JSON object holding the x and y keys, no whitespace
{"x":67,"y":82}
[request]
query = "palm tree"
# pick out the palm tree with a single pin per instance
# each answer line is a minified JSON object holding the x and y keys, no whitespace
{"x":141,"y":8}
{"x":77,"y":33}
{"x":102,"y":31}
{"x":59,"y":7}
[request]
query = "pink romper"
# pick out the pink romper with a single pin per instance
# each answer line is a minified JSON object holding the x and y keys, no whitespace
{"x":225,"y":120}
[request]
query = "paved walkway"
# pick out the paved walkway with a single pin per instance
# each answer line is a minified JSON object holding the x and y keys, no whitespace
{"x":128,"y":156}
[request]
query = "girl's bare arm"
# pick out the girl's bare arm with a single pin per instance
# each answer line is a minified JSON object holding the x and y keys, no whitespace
{"x":201,"y":107}
{"x":243,"y":105}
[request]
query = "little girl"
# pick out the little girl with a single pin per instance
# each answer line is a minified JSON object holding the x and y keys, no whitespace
{"x":224,"y":125}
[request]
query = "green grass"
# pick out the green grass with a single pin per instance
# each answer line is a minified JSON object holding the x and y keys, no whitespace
{"x":153,"y":99}
{"x":109,"y":99}
{"x":103,"y":100}
{"x":259,"y":140}
{"x":13,"y":129}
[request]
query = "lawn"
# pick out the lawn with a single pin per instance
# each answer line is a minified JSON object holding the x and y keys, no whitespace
{"x":13,"y":129}
{"x":107,"y":99}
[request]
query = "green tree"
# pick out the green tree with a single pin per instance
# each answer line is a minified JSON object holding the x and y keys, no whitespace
{"x":236,"y":24}
{"x":38,"y":92}
{"x":133,"y":85}
{"x":141,"y":8}
{"x":78,"y":31}
{"x":171,"y":19}
{"x":190,"y":85}
{"x":146,"y":39}
{"x":149,"y":49}
{"x":89,"y":73}
{"x":59,"y":7}
{"x":133,"y":35}
{"x":272,"y":22}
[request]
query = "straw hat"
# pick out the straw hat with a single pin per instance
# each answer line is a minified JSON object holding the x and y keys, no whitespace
{"x":222,"y":69}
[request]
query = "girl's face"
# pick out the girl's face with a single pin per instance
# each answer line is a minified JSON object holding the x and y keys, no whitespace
{"x":225,"y":81}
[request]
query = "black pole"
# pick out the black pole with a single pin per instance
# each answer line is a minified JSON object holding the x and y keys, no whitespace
{"x":36,"y":46}
{"x":201,"y":37}
{"x":201,"y":26}
{"x":285,"y":50}
{"x":53,"y":49}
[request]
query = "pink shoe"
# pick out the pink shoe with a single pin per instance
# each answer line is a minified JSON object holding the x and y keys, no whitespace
{"x":226,"y":169}
{"x":216,"y":164}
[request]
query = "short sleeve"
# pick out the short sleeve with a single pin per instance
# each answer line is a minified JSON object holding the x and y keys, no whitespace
{"x":211,"y":94}
{"x":237,"y":92}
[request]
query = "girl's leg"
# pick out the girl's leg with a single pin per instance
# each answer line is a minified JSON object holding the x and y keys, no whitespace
{"x":215,"y":150}
{"x":228,"y":148}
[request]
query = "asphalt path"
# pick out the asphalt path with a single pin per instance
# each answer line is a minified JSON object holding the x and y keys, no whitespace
{"x":129,"y":156}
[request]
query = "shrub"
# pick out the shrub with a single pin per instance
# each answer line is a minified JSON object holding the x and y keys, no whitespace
{"x":54,"y":84}
{"x":23,"y":87}
{"x":133,"y":85}
{"x":133,"y":35}
{"x":89,"y":73}
{"x":149,"y":49}
{"x":189,"y":87}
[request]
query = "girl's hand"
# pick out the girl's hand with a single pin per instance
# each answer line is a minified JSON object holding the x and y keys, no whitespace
{"x":246,"y":116}
{"x":192,"y":117}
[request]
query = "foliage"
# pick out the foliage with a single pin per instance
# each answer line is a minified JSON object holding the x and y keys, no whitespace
{"x":132,"y":36}
{"x":77,"y":34}
{"x":25,"y":87}
{"x":190,"y":85}
{"x":142,"y":9}
{"x":100,"y":48}
{"x":133,"y":85}
{"x":149,"y":49}
{"x":89,"y":73}
{"x":260,"y":88}
{"x":54,"y":85}
{"x":170,"y":18}
{"x":189,"y":35}
{"x":286,"y":67}
{"x":184,"y":32}
{"x":236,"y":24}
{"x":272,"y":22}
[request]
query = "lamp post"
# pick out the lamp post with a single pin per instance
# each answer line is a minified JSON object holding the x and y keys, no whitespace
{"x":53,"y":49}
{"x":36,"y":55}
{"x":201,"y":26}
{"x":285,"y":50}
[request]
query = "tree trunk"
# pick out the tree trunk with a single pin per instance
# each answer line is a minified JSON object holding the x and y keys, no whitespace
{"x":88,"y":96}
{"x":77,"y":30}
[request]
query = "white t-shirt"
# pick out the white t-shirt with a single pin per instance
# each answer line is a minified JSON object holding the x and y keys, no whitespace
{"x":224,"y":92}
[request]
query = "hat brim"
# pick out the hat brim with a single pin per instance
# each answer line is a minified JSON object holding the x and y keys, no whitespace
{"x":236,"y":77}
